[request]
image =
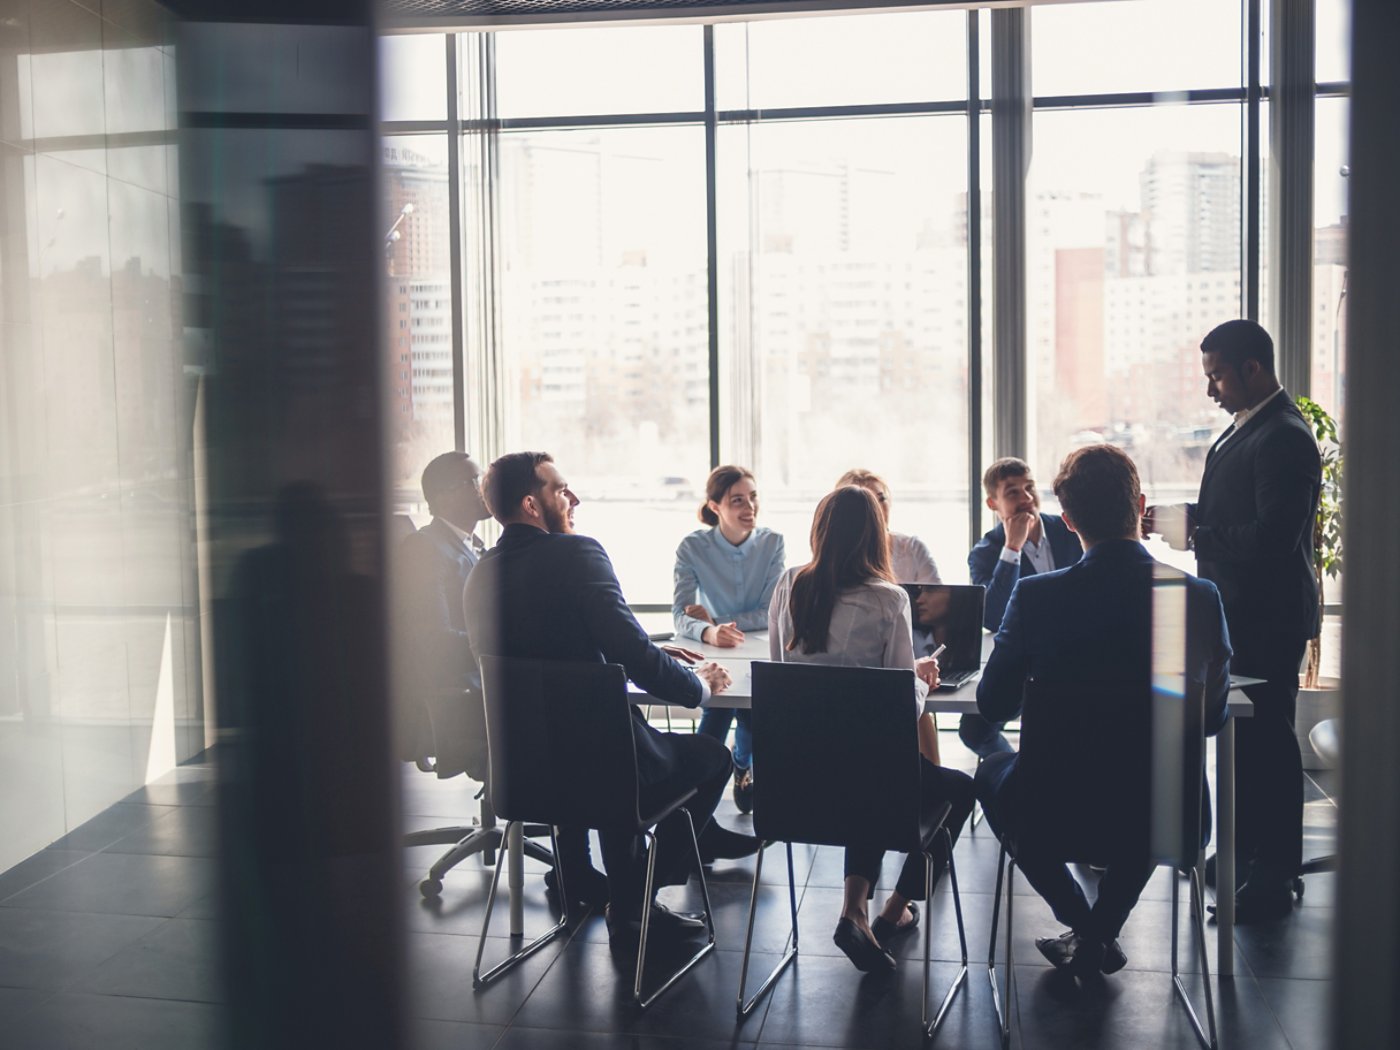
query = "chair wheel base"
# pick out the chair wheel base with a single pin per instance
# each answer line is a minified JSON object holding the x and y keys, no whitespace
{"x":430,"y":889}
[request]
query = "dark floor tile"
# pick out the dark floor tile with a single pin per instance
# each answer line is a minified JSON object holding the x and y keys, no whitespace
{"x":111,"y":824}
{"x":49,"y":949}
{"x":824,"y":1001}
{"x":122,"y":884}
{"x":454,"y":1035}
{"x":37,"y":868}
{"x":206,"y":907}
{"x":1136,"y":1009}
{"x":590,"y":990}
{"x":186,"y":789}
{"x":1302,"y":1009}
{"x":461,"y":907}
{"x":73,"y":1021}
{"x":518,"y":1037}
{"x":185,"y":831}
{"x":177,"y":960}
{"x":16,"y":1002}
{"x":1298,"y":946}
{"x":440,"y":978}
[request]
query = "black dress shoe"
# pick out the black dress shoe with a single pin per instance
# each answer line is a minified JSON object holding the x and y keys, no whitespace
{"x":1241,"y":872}
{"x":743,"y":790}
{"x":866,"y":954}
{"x":587,"y":888}
{"x":665,"y":923}
{"x":717,"y":843}
{"x":1114,"y":958}
{"x":1263,"y":899}
{"x":1060,"y":951}
{"x":884,"y":930}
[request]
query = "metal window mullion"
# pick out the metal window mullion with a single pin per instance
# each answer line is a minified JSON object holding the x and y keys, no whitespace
{"x":974,"y":277}
{"x":712,"y":243}
{"x":1253,"y":232}
{"x":454,"y":242}
{"x":1011,"y":134}
{"x":1291,"y":118}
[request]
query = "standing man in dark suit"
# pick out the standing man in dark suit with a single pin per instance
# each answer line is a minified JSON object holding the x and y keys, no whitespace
{"x":545,"y":593}
{"x":1069,"y":630}
{"x":435,"y":563}
{"x":1024,"y":542}
{"x":1252,"y":530}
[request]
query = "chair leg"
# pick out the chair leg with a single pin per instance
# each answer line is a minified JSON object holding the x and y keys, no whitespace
{"x":479,"y":979}
{"x":478,"y":840}
{"x":643,"y":1003}
{"x":1209,"y":1042}
{"x":1006,"y":865}
{"x":745,"y":1008}
{"x":931,"y":1027}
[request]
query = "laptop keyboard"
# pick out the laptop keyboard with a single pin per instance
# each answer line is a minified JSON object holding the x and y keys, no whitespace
{"x":953,"y":679}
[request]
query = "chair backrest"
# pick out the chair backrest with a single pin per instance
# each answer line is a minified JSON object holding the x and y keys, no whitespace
{"x":1110,"y":770}
{"x":560,"y":737}
{"x":836,"y":755}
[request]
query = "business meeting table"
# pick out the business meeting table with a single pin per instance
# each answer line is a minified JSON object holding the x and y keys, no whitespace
{"x":959,"y":701}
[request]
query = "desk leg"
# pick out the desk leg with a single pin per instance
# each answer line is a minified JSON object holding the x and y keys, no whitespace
{"x":1225,"y":849}
{"x":516,"y":865}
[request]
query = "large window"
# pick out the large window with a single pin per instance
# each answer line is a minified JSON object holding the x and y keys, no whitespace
{"x":658,"y":273}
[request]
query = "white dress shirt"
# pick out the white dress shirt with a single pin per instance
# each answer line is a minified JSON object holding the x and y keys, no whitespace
{"x":870,"y":627}
{"x":910,"y":560}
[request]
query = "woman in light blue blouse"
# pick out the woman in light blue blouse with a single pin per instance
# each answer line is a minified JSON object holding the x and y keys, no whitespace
{"x":725,"y":576}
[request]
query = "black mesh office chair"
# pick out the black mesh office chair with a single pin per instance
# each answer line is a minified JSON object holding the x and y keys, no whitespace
{"x":1156,"y":805}
{"x":811,"y":722}
{"x":562,"y":753}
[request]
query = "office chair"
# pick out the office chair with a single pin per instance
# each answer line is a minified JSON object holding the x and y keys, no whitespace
{"x":809,"y":722}
{"x":456,"y":744}
{"x":1066,"y":815}
{"x":563,"y":754}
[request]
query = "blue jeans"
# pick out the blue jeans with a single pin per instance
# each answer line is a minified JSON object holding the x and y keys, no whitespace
{"x":983,"y":738}
{"x":715,"y":722}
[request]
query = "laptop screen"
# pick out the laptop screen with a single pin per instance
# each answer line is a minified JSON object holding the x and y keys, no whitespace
{"x":951,"y":615}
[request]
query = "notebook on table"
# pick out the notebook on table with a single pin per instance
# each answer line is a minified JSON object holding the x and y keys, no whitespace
{"x":949,"y":615}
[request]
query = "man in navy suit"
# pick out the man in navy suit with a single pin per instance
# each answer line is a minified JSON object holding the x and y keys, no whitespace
{"x":1072,"y":630}
{"x":434,"y":565}
{"x":1024,"y":542}
{"x":1252,"y":530}
{"x":544,"y":592}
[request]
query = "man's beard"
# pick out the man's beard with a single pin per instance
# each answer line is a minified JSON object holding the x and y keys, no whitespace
{"x":557,"y":520}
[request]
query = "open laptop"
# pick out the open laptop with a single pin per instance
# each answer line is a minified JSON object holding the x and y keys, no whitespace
{"x":951,"y":615}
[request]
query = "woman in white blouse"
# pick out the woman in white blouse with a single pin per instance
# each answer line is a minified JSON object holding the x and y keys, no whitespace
{"x":910,"y":560}
{"x":844,"y":608}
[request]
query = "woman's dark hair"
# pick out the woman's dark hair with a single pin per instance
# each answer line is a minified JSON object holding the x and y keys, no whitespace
{"x":850,"y":546}
{"x":720,"y":481}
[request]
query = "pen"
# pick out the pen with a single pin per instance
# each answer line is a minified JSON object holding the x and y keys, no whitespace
{"x":939,"y":651}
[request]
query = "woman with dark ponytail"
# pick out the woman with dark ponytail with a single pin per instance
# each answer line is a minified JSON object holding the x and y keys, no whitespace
{"x":724,"y":580}
{"x":845,"y":609}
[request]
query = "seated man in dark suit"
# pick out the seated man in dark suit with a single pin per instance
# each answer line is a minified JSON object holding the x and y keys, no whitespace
{"x":1071,"y":630}
{"x":1024,"y":542}
{"x":546,"y":593}
{"x":434,"y":565}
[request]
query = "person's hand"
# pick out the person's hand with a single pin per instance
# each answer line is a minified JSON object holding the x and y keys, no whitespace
{"x":927,"y":671}
{"x":684,"y":655}
{"x":715,"y":676}
{"x":724,"y":635}
{"x":699,"y":612}
{"x":1018,"y":529}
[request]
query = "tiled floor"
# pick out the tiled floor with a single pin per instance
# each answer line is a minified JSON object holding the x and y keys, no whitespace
{"x":106,"y":939}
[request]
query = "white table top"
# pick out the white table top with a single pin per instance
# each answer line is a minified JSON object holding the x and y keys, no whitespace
{"x":953,"y":701}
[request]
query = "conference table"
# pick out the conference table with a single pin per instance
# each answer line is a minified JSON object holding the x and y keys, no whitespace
{"x":739,"y":695}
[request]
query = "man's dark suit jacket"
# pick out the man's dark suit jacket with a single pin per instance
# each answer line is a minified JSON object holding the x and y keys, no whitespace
{"x":999,"y":577}
{"x":1092,"y":623}
{"x":1254,"y":524}
{"x":442,"y":676}
{"x":553,"y":596}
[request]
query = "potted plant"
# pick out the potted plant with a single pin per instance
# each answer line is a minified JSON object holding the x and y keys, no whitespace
{"x":1319,"y":697}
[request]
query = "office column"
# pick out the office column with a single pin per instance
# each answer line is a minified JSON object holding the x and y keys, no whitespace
{"x":1290,"y":182}
{"x":1011,"y":155}
{"x":1365,"y":1009}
